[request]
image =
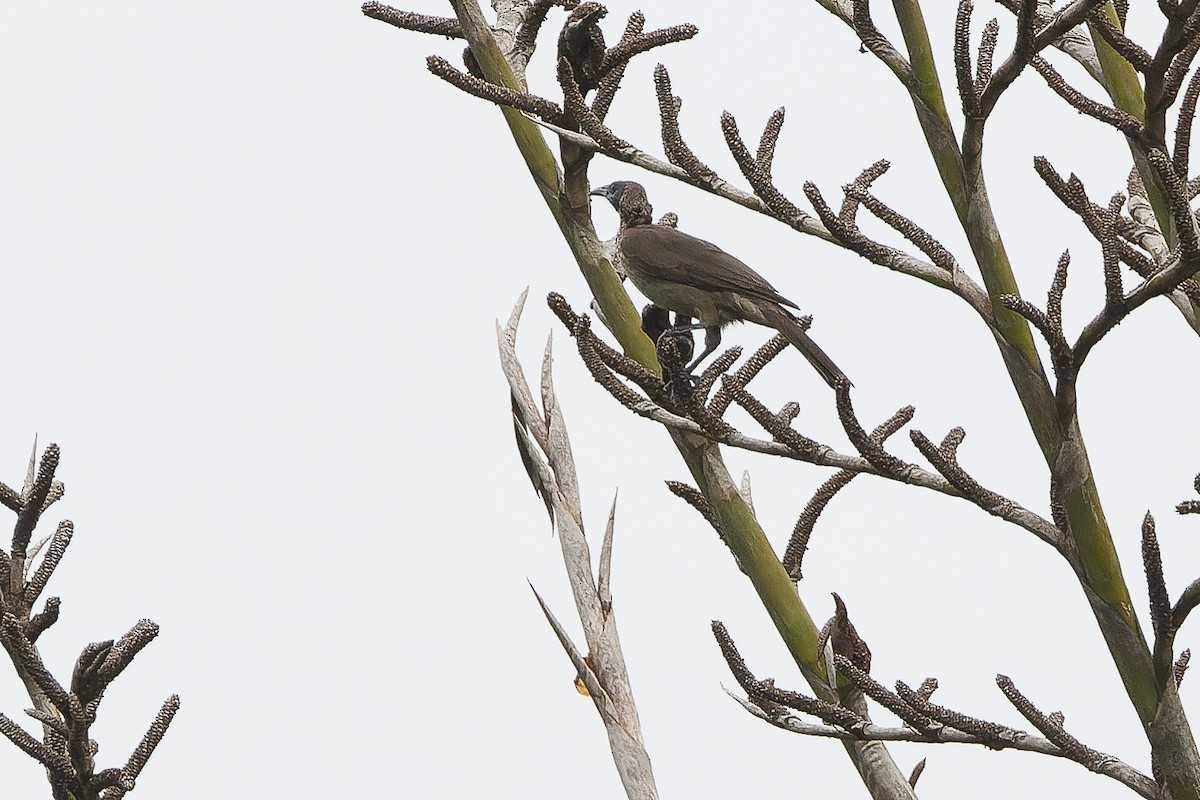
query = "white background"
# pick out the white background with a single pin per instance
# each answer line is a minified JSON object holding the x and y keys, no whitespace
{"x":253,"y":255}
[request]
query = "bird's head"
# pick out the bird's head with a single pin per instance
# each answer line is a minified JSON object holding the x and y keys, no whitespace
{"x":612,"y":192}
{"x":629,"y":199}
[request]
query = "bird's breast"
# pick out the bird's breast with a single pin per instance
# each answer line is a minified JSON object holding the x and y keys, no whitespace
{"x":701,"y":305}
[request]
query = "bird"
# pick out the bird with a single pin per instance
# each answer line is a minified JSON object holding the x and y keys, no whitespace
{"x":656,"y":322}
{"x":697,"y":279}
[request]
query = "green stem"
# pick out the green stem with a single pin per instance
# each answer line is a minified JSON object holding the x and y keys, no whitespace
{"x":962,"y":175}
{"x":601,"y":278}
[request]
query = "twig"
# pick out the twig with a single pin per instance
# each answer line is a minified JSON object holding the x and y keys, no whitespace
{"x":1122,"y":121}
{"x":678,"y":153}
{"x":409,"y":21}
{"x":501,"y":95}
{"x":797,"y":546}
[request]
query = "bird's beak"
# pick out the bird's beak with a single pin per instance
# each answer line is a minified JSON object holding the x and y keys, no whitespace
{"x":602,"y":191}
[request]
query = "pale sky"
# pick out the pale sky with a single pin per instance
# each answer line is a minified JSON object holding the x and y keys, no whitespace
{"x":255,"y":253}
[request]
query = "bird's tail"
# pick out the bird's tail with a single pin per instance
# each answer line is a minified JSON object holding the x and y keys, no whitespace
{"x":789,"y":326}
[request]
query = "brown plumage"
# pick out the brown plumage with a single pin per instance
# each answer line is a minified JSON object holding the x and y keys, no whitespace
{"x":697,"y":279}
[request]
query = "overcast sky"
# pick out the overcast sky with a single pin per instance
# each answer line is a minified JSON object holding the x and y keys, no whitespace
{"x":254,"y":254}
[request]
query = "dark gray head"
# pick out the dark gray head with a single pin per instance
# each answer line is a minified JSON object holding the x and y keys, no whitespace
{"x":613,"y":192}
{"x":629,"y":199}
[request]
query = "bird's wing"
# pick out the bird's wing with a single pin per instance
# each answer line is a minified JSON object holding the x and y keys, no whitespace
{"x":674,"y":256}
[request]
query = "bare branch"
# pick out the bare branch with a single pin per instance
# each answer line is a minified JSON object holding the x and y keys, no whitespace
{"x":579,"y":326}
{"x":9,"y":497}
{"x":850,"y":203}
{"x":1114,"y":293}
{"x":887,"y":698}
{"x":1142,"y":784}
{"x":793,"y":557}
{"x":126,"y":648}
{"x":29,"y":663}
{"x":1186,"y":603}
{"x":772,"y":423}
{"x":716,"y":368}
{"x":876,"y":42}
{"x":59,"y":767}
{"x":849,"y":235}
{"x":1180,"y":55}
